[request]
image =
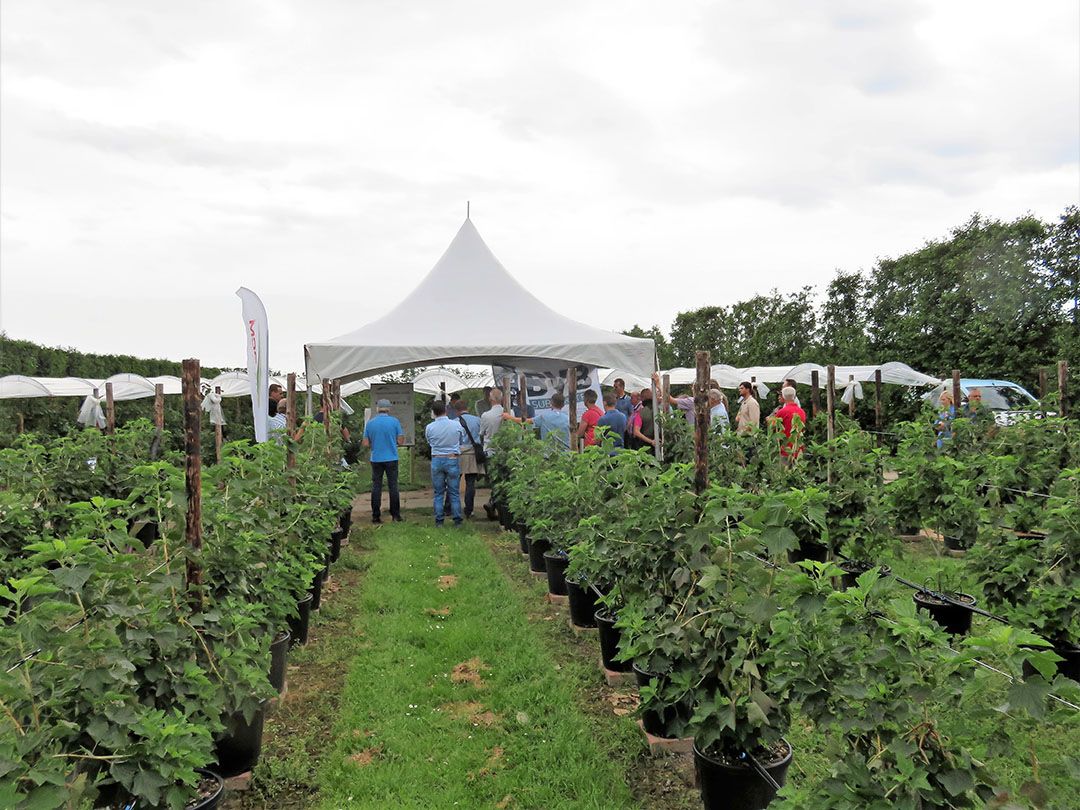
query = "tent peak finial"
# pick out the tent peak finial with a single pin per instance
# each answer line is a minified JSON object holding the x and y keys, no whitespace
{"x":467,"y":209}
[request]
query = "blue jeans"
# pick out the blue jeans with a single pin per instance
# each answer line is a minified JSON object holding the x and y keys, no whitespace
{"x":445,"y":476}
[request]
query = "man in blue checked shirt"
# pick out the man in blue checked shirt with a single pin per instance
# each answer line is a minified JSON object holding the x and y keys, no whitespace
{"x":445,"y":438}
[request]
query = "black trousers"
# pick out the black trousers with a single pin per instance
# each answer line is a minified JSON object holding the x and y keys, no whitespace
{"x":391,"y":470}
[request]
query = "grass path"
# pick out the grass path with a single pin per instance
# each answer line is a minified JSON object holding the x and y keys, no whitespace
{"x":454,"y":700}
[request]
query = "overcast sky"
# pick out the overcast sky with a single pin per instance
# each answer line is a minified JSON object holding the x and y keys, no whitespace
{"x":625,"y":160}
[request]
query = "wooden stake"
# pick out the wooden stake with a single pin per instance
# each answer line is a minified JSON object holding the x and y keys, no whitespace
{"x":701,"y":424}
{"x":217,"y":432}
{"x":956,"y":389}
{"x":22,"y":421}
{"x":571,"y":401}
{"x":110,"y":410}
{"x":1063,"y":390}
{"x":193,"y":479}
{"x":290,"y":419}
{"x":523,"y":396}
{"x":159,"y":408}
{"x":665,"y":395}
{"x":336,"y":392}
{"x":326,"y":407}
{"x":815,"y":391}
{"x":851,"y":404}
{"x":877,"y":399}
{"x":506,"y":393}
{"x":830,"y":401}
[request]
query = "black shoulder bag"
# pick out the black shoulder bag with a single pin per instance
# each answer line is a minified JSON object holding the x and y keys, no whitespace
{"x":481,"y":456}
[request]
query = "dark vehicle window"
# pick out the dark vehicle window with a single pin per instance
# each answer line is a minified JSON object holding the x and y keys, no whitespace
{"x":1004,"y":398}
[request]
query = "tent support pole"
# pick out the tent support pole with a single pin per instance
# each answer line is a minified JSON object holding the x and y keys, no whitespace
{"x":307,"y":382}
{"x":658,"y":432}
{"x":523,"y":396}
{"x":851,"y":404}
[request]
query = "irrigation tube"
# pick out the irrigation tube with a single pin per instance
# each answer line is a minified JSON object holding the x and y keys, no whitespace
{"x":764,"y":774}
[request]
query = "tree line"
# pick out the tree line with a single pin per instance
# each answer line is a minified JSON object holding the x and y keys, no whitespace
{"x":994,"y":299}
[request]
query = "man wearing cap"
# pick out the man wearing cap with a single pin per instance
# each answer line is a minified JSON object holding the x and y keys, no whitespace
{"x":383,"y":434}
{"x":445,"y":438}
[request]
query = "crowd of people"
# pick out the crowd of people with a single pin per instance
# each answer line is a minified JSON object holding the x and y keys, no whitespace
{"x":461,"y":441}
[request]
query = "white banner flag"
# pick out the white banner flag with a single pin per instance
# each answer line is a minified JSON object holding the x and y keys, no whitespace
{"x":257,"y":338}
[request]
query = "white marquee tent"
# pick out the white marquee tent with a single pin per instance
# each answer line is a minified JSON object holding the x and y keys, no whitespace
{"x":514,"y":328}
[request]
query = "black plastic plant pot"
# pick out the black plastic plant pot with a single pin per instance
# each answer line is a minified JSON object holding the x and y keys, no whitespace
{"x":738,"y":786}
{"x":956,"y":543}
{"x":609,"y":641}
{"x":335,"y":546}
{"x":582,"y":604}
{"x":211,"y":789}
{"x":504,"y":516}
{"x":316,"y":589}
{"x":279,"y":649}
{"x":298,"y":624}
{"x":556,"y":563}
{"x":817,"y":552}
{"x":148,"y":533}
{"x":537,"y":547}
{"x":346,"y":523}
{"x":523,"y":538}
{"x":238,"y":748}
{"x":659,"y":723}
{"x":956,"y":619}
{"x":1070,"y":666}
{"x":853,"y":569}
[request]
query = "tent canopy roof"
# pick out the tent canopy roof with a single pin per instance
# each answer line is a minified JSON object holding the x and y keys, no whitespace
{"x":512,"y":327}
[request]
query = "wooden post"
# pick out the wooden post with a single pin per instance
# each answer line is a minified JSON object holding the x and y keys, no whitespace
{"x":956,"y":389}
{"x":336,"y":391}
{"x":830,"y":401}
{"x":110,"y":410}
{"x":217,"y":432}
{"x":851,"y":404}
{"x":290,"y":419}
{"x":22,"y":421}
{"x":815,"y":391}
{"x":159,"y":408}
{"x":665,"y":395}
{"x":523,"y":397}
{"x":830,"y":409}
{"x":1042,"y":390}
{"x":877,"y":399}
{"x":1063,"y":387}
{"x":193,"y":479}
{"x":506,"y":393}
{"x":701,"y":424}
{"x":571,"y":401}
{"x":325,"y":395}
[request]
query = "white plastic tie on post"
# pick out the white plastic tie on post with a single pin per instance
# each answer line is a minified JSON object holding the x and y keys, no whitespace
{"x":212,"y":405}
{"x":762,"y":389}
{"x":852,"y":390}
{"x":90,"y":413}
{"x":346,"y":408}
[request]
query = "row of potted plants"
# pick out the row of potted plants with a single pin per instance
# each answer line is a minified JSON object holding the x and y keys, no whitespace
{"x":724,"y":632}
{"x":124,"y":681}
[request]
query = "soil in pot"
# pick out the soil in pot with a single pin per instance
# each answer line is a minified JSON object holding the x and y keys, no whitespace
{"x":582,"y":604}
{"x":537,"y":547}
{"x":298,"y":624}
{"x":609,"y":641}
{"x":279,"y":649}
{"x":238,"y":748}
{"x":656,"y":722}
{"x":556,"y":563}
{"x":738,"y":785}
{"x":817,"y":552}
{"x":210,"y":789}
{"x":853,"y":569}
{"x":954,"y":618}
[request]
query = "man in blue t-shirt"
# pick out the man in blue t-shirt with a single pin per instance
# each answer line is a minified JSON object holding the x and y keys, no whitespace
{"x":613,"y":419}
{"x":383,"y":434}
{"x":554,"y":423}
